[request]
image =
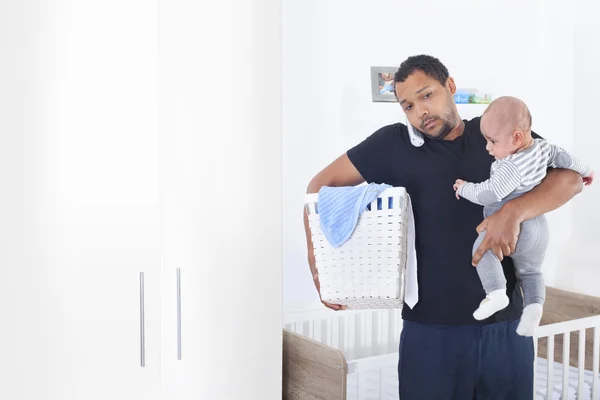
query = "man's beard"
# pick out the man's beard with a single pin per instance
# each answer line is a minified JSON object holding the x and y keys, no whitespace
{"x":444,"y":131}
{"x":448,"y":123}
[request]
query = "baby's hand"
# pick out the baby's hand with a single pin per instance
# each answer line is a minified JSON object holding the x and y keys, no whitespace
{"x":587,"y":181}
{"x":457,"y":185}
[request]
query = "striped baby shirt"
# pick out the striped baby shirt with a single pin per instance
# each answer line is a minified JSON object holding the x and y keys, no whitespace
{"x":518,"y":173}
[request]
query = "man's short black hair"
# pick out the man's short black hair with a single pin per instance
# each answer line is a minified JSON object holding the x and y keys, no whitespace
{"x":431,"y":66}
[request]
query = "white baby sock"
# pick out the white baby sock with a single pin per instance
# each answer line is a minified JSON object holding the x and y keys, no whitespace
{"x":493,"y":302}
{"x":530,"y":319}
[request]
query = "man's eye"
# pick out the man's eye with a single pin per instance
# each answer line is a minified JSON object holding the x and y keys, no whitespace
{"x":407,"y":108}
{"x":427,"y":95}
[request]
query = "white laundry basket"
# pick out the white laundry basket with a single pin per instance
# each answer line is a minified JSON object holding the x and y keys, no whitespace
{"x":368,"y":270}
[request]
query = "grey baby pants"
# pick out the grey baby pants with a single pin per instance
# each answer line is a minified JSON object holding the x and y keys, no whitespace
{"x":527,"y":258}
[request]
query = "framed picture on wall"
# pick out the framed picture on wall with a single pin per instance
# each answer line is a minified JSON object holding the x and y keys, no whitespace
{"x":382,"y":84}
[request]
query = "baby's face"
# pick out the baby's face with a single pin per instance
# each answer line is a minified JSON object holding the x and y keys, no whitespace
{"x":500,"y":143}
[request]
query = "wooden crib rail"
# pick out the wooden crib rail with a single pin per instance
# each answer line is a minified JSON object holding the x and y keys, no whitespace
{"x":312,"y":370}
{"x":570,"y":335}
{"x":563,"y":306}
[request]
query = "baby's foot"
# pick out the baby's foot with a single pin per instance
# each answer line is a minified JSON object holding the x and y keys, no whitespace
{"x":493,"y":302}
{"x":530,"y":319}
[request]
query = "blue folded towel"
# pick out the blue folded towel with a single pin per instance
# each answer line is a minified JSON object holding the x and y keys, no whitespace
{"x":340,"y":207}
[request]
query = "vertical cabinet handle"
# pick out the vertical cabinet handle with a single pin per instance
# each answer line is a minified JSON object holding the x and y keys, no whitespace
{"x":142,"y":323}
{"x":178,"y":313}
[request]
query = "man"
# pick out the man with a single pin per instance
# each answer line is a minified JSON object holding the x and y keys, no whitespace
{"x":444,"y":352}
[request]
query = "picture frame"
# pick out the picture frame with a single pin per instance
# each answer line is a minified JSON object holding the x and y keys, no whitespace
{"x":382,"y":84}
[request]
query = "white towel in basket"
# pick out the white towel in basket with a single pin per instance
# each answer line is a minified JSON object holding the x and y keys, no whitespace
{"x":411,"y":291}
{"x":340,"y":207}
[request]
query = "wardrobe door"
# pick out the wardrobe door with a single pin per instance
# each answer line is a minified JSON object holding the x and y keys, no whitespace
{"x":79,"y":214}
{"x":221,"y":181}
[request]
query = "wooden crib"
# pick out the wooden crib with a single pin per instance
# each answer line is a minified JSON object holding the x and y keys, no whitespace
{"x":353,"y":355}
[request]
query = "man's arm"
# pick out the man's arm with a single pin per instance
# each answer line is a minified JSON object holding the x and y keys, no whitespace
{"x":559,"y":186}
{"x":341,"y":172}
{"x":502,"y":228}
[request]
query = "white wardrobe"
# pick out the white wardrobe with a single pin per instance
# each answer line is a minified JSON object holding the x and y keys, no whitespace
{"x":140,"y":200}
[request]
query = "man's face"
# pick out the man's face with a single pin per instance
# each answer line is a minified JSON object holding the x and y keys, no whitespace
{"x":428,"y":105}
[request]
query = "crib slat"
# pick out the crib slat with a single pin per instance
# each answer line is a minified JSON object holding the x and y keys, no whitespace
{"x":351,"y":332}
{"x":380,"y":328}
{"x":369,"y":328}
{"x":566,"y":362}
{"x":581,"y":362}
{"x":346,"y":332}
{"x":397,"y":327}
{"x":364,"y":318}
{"x":596,"y":358}
{"x":318,"y":331}
{"x":385,"y":329}
{"x":550,"y":372}
{"x":335,"y":333}
{"x":329,"y":332}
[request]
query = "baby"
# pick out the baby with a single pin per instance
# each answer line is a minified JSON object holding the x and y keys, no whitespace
{"x":521,"y":163}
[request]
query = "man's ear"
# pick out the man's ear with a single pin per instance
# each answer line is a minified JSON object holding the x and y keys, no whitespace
{"x":451,"y":85}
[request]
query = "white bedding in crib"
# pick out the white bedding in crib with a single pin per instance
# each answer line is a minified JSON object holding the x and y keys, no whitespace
{"x":542,"y":381}
{"x":382,"y":383}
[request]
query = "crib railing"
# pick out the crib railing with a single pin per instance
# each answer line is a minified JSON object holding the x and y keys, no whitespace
{"x":358,"y":333}
{"x":369,"y":340}
{"x":576,"y":328}
{"x":373,"y":335}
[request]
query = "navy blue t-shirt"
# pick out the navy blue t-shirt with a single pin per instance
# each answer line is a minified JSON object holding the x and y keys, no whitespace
{"x":449,"y":287}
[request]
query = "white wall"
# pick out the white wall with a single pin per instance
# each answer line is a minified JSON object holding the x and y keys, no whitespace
{"x":579,"y":267}
{"x":328,"y":48}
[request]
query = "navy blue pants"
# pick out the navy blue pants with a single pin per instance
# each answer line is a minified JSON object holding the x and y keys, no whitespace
{"x":465,"y":362}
